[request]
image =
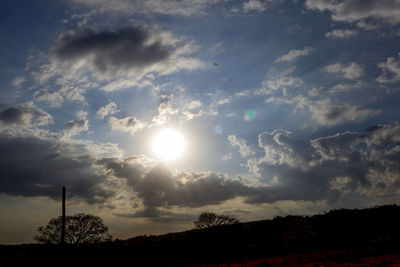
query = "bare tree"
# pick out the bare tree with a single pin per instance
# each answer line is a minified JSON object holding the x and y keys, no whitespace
{"x":80,"y":228}
{"x":210,"y":219}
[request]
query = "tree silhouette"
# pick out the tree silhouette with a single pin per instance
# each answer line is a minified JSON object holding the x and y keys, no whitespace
{"x":210,"y":219}
{"x":80,"y":228}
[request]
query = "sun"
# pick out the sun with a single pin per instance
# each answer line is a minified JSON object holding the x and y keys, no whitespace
{"x":168,"y":145}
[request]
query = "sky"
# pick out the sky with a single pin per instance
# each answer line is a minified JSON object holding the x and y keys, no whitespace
{"x":280,"y":107}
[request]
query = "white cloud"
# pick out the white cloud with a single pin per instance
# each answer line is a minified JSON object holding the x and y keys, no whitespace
{"x":282,"y":88}
{"x":324,"y":110}
{"x":224,"y":101}
{"x":53,"y":99}
{"x":356,"y":10}
{"x":244,"y":149}
{"x":167,"y":7}
{"x":254,"y":5}
{"x":165,"y":111}
{"x":367,"y":26}
{"x":344,"y":87}
{"x":351,"y":71}
{"x":293,"y":54}
{"x":341,"y":34}
{"x":127,"y":124}
{"x":17,"y":82}
{"x":227,"y":156}
{"x":391,"y":70}
{"x":195,"y":104}
{"x":75,"y":127}
{"x":217,"y":49}
{"x":281,"y":81}
{"x":109,"y":109}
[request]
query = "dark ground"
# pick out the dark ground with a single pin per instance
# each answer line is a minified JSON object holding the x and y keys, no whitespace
{"x":369,"y":237}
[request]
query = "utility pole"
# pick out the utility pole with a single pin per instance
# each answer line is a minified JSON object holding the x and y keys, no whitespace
{"x":63,"y":217}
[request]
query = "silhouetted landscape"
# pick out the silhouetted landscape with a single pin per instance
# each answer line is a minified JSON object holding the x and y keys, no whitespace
{"x":369,"y":237}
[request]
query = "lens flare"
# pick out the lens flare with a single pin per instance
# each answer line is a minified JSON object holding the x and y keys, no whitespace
{"x":218,"y":129}
{"x":249,"y":115}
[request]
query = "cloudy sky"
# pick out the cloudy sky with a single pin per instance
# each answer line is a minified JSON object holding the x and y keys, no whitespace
{"x":284,"y":107}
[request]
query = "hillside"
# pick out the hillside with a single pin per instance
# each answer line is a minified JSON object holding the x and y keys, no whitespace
{"x":369,"y":231}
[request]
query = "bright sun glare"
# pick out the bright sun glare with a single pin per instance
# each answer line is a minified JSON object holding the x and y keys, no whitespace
{"x":168,"y":145}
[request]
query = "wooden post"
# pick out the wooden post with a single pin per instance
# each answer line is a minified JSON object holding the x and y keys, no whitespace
{"x":63,"y":217}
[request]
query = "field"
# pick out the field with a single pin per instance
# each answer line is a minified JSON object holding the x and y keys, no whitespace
{"x":329,"y":258}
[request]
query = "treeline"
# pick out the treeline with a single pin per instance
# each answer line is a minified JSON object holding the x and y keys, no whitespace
{"x":343,"y":229}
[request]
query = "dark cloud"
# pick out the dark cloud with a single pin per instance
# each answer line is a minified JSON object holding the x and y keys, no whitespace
{"x":328,"y":112}
{"x":34,"y":167}
{"x":23,"y":114}
{"x":158,"y":187}
{"x":11,"y":115}
{"x":112,"y":50}
{"x":158,"y":215}
{"x":327,"y":167}
{"x":324,"y":168}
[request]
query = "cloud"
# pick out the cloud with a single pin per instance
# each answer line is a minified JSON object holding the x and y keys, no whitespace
{"x":165,"y":7}
{"x":351,"y":71}
{"x":227,"y":156}
{"x":325,"y":112}
{"x":279,"y":81}
{"x":323,"y":168}
{"x":37,"y":162}
{"x":75,"y":127}
{"x":341,"y":34}
{"x":127,"y":124}
{"x":165,"y":111}
{"x":224,"y":101}
{"x":159,"y":215}
{"x":111,"y":60}
{"x":281,"y":148}
{"x":112,"y":51}
{"x":33,"y":166}
{"x":391,"y":70}
{"x":244,"y":149}
{"x":157,"y":187}
{"x":293,"y":54}
{"x":344,"y":87}
{"x":17,"y":82}
{"x":282,"y":88}
{"x":152,"y":213}
{"x":356,"y":10}
{"x":217,"y":49}
{"x":109,"y":109}
{"x":367,"y":26}
{"x":254,"y":5}
{"x":25,"y":115}
{"x":53,"y":99}
{"x":195,"y":104}
{"x":327,"y":167}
